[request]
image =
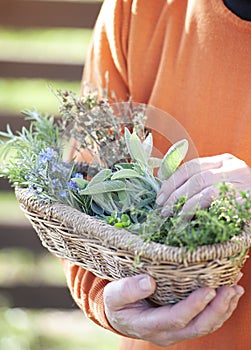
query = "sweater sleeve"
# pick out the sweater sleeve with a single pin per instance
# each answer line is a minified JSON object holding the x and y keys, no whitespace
{"x":107,"y":53}
{"x":87,"y":292}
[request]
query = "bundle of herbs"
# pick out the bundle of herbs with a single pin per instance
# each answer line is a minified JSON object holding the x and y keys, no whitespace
{"x":123,"y":188}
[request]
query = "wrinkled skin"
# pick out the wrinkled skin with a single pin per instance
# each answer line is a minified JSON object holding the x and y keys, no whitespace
{"x":205,"y":310}
{"x":197,"y":180}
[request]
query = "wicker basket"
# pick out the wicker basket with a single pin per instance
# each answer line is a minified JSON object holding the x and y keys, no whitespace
{"x":111,"y":253}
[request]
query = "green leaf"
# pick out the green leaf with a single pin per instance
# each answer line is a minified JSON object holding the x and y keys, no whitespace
{"x":124,"y":166}
{"x":122,"y":195}
{"x":101,"y":176}
{"x":135,"y":147}
{"x":148,"y":145}
{"x":103,"y":201}
{"x":103,"y":187}
{"x":81,"y":183}
{"x":137,"y":150}
{"x":172,"y":159}
{"x":127,"y":136}
{"x":124,"y":174}
{"x":125,"y":200}
{"x":97,"y":209}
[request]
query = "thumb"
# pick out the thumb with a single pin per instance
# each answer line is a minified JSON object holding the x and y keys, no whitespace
{"x":120,"y":293}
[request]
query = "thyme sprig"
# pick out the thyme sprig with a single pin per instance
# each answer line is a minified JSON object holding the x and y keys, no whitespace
{"x":223,"y":220}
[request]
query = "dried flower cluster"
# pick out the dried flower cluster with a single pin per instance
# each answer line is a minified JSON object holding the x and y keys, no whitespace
{"x":99,"y":127}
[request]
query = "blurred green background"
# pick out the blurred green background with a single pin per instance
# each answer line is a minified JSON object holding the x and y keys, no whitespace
{"x":30,"y":328}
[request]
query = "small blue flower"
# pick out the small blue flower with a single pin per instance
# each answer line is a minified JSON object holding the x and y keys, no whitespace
{"x":56,"y":168}
{"x":63,"y":194}
{"x":46,"y":155}
{"x":77,"y":176}
{"x":72,"y":185}
{"x":55,"y":183}
{"x":39,"y":190}
{"x":31,"y":189}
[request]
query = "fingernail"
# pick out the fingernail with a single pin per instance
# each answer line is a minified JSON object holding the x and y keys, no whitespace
{"x":161,"y":199}
{"x":145,"y":284}
{"x":209,"y":296}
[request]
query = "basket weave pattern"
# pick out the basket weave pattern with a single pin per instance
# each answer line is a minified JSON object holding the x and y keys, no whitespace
{"x":110,"y":253}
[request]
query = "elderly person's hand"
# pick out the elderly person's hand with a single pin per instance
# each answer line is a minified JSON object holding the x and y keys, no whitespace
{"x":204,"y":311}
{"x":197,"y":180}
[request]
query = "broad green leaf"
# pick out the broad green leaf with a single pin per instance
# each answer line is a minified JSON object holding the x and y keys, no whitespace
{"x":127,"y":136}
{"x":124,"y":166}
{"x":103,"y":201}
{"x":122,"y":195}
{"x":81,"y":183}
{"x":102,"y":187}
{"x":124,"y":174}
{"x":101,"y":176}
{"x":136,"y":149}
{"x":172,"y":159}
{"x":148,"y":145}
{"x":97,"y":209}
{"x":125,"y":199}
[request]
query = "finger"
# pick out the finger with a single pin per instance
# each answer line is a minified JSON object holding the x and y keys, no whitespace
{"x":199,"y":197}
{"x":204,"y":181}
{"x":188,"y":170}
{"x":120,"y":293}
{"x":199,"y":190}
{"x":180,"y":315}
{"x":200,"y":200}
{"x":215,"y":314}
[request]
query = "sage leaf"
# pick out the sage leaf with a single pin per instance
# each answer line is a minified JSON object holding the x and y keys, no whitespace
{"x":127,"y":136}
{"x":172,"y":159}
{"x":125,"y":200}
{"x":124,"y":166}
{"x":124,"y":174}
{"x":122,"y":195}
{"x":81,"y":183}
{"x":101,"y":176}
{"x":103,"y":201}
{"x":97,"y":209}
{"x":103,"y":187}
{"x":135,"y":147}
{"x":148,"y":145}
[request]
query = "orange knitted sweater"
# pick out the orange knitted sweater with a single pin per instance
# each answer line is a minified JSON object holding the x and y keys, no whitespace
{"x":191,"y":59}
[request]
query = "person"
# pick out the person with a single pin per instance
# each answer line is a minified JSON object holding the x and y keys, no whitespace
{"x":191,"y":59}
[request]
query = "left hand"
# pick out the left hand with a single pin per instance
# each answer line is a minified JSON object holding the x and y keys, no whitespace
{"x":197,"y":178}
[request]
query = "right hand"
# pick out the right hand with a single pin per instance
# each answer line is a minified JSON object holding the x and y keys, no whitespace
{"x":204,"y":311}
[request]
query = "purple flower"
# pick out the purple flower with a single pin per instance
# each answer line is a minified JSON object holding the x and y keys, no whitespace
{"x":77,"y":176}
{"x":72,"y":185}
{"x":63,"y":194}
{"x":55,"y":183}
{"x":39,"y":190}
{"x":46,"y":155}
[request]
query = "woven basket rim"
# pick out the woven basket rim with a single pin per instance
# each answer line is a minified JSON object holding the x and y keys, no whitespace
{"x":126,"y":241}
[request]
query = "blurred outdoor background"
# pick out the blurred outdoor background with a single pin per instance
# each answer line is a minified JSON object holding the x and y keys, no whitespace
{"x":42,"y":43}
